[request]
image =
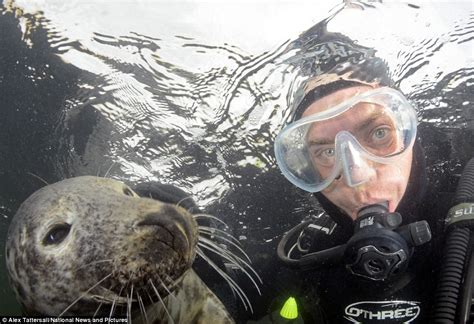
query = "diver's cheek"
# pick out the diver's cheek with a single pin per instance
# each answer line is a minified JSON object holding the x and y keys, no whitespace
{"x":333,"y":187}
{"x":399,"y":195}
{"x":348,"y":208}
{"x":398,"y":186}
{"x":342,"y":198}
{"x":392,"y":205}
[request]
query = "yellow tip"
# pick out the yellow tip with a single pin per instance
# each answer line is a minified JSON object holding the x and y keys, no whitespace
{"x":289,"y":309}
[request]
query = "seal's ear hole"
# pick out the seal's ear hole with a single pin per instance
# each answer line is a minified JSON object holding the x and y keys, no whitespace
{"x":128,"y":192}
{"x":57,"y":234}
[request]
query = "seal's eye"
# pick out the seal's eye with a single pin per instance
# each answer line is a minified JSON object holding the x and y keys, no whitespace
{"x":128,"y":192}
{"x":57,"y":234}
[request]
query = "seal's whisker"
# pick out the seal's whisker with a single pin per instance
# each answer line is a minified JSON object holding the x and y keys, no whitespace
{"x":221,"y":250}
{"x":245,"y":263}
{"x":202,"y":215}
{"x":179,"y":202}
{"x":127,"y":311}
{"x":233,"y":285}
{"x":149,"y":296}
{"x":238,"y":260}
{"x":129,"y":304}
{"x":101,"y":303}
{"x":112,"y":309}
{"x":84,"y":294}
{"x":168,"y":277}
{"x":161,"y":301}
{"x":228,"y":241}
{"x":142,"y":307}
{"x":167,"y":290}
{"x":97,"y":310}
{"x":213,"y":230}
{"x":171,"y":280}
{"x":108,"y":170}
{"x":38,"y":177}
{"x":127,"y":296}
{"x":217,"y":236}
{"x":235,"y":260}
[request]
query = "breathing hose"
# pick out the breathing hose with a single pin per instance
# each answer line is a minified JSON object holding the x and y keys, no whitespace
{"x":453,"y":296}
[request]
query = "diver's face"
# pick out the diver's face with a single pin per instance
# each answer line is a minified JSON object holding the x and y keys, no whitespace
{"x":383,"y":183}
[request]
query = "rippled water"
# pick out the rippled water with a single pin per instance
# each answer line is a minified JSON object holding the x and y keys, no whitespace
{"x":193,"y":94}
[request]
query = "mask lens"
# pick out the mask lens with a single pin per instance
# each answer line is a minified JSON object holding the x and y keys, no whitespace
{"x":371,"y":124}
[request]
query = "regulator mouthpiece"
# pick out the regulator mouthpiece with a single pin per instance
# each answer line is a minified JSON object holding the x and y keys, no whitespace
{"x":380,"y":249}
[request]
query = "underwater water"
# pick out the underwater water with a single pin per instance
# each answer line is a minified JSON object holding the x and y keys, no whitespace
{"x":193,"y":94}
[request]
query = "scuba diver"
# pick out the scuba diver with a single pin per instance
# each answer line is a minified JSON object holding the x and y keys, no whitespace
{"x":353,"y":144}
{"x":372,"y":255}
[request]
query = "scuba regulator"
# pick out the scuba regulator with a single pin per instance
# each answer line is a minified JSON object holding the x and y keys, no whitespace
{"x":378,"y":250}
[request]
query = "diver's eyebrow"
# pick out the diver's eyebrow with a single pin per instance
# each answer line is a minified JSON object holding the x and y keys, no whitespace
{"x":369,"y":120}
{"x":321,"y":141}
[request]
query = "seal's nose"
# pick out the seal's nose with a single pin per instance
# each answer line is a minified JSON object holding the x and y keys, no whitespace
{"x":171,"y":220}
{"x":154,"y":219}
{"x":166,"y":216}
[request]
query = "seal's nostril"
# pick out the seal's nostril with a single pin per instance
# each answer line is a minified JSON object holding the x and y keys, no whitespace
{"x":165,"y":216}
{"x":152,"y":219}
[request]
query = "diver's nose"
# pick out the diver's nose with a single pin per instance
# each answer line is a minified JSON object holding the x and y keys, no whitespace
{"x":356,"y":169}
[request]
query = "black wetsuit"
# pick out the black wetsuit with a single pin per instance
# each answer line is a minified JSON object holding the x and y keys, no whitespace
{"x":333,"y":295}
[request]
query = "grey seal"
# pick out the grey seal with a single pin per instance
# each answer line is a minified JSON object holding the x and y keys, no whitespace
{"x":92,"y":246}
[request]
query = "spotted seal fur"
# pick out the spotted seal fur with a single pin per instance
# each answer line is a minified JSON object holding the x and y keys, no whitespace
{"x":92,"y":246}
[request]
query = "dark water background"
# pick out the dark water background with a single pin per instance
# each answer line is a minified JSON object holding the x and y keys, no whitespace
{"x":193,"y":94}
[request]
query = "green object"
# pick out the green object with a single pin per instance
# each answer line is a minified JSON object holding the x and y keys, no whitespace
{"x":460,"y":212}
{"x":289,"y":309}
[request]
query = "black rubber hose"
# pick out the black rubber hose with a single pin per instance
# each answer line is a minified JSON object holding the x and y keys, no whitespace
{"x":451,"y":275}
{"x":281,"y":249}
{"x":467,"y":291}
{"x":465,"y":190}
{"x":448,"y":291}
{"x":311,"y":260}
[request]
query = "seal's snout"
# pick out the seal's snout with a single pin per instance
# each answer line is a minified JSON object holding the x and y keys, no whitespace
{"x":168,"y":221}
{"x":168,"y":215}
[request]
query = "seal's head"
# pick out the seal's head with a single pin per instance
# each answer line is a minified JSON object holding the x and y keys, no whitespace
{"x":83,"y":242}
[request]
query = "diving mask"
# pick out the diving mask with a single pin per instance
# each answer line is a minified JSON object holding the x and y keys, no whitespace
{"x":376,"y":126}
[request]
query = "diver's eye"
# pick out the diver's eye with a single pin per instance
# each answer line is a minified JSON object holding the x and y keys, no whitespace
{"x":128,"y":192}
{"x":57,"y":234}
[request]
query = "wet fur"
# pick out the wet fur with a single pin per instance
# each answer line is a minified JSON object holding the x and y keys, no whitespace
{"x":122,"y":254}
